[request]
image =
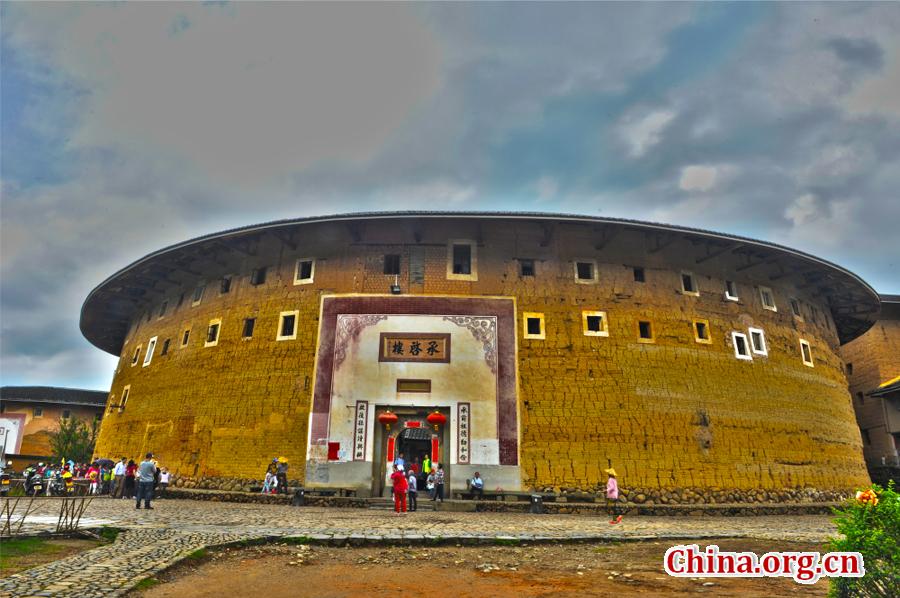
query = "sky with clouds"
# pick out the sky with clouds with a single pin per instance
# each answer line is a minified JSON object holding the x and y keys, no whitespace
{"x":126,"y":127}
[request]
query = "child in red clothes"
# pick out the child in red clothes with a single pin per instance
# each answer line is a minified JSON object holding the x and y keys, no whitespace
{"x":400,"y":488}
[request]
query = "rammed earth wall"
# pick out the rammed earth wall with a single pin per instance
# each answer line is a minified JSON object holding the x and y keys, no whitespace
{"x":671,"y":414}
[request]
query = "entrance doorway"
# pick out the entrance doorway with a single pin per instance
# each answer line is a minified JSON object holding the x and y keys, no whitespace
{"x":413,"y":436}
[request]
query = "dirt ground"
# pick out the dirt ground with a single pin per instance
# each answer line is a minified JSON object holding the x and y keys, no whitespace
{"x":628,"y":568}
{"x":20,"y":554}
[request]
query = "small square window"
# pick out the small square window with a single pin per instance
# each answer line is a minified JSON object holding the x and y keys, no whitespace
{"x":249,"y":325}
{"x":287,"y":325}
{"x":163,"y":308}
{"x":533,"y":325}
{"x":151,"y":346}
{"x":185,"y":337}
{"x":225,"y":285}
{"x":258,"y":276}
{"x":594,"y":323}
{"x":165,"y":348}
{"x":392,"y":263}
{"x":462,"y":261}
{"x":526,"y":268}
{"x":758,"y":341}
{"x":741,"y":347}
{"x":645,"y":332}
{"x":795,"y":309}
{"x":639,"y":275}
{"x":688,"y":284}
{"x":66,"y":414}
{"x":806,"y":353}
{"x":212,"y":333}
{"x":731,"y":290}
{"x":125,"y":394}
{"x":849,"y":369}
{"x":586,"y":272}
{"x":137,"y":355}
{"x":198,"y":294}
{"x":767,"y":298}
{"x":304,"y":271}
{"x":701,"y":331}
{"x":38,"y":412}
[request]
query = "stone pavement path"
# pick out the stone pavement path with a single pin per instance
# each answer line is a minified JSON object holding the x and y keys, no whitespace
{"x":153,"y":540}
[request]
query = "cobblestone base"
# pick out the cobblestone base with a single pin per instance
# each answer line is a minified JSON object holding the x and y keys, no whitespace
{"x":154,"y":540}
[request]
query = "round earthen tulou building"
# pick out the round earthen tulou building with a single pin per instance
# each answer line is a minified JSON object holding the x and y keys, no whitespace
{"x":536,"y":349}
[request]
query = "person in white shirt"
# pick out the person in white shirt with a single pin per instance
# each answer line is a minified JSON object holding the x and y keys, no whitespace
{"x":118,"y":484}
{"x":163,"y":482}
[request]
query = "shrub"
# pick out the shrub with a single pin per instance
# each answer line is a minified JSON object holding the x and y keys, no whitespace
{"x":870,"y":525}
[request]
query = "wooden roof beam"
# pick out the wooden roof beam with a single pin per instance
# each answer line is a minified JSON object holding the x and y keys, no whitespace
{"x":713,"y":254}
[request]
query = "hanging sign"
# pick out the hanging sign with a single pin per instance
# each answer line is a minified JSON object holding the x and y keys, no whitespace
{"x":414,"y":347}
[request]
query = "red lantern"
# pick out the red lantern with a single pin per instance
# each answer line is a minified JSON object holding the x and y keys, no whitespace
{"x":387,"y":418}
{"x":436,"y":419}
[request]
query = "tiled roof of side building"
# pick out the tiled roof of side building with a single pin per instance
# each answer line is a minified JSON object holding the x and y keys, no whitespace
{"x":54,"y":394}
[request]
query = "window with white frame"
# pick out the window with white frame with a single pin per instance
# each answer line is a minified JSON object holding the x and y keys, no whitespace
{"x":304,"y":270}
{"x":701,"y":332}
{"x":136,"y":356}
{"x":125,"y":394}
{"x":585,"y":271}
{"x":287,"y":325}
{"x":462,"y":260}
{"x":795,"y":308}
{"x":212,"y":333}
{"x":767,"y":297}
{"x":758,"y":341}
{"x":741,"y":346}
{"x":151,"y":347}
{"x":533,"y":325}
{"x":731,"y":290}
{"x":806,"y":353}
{"x":198,"y":294}
{"x":689,"y":284}
{"x":594,"y":323}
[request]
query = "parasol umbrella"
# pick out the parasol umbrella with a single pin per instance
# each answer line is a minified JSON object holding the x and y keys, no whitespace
{"x":105,"y":462}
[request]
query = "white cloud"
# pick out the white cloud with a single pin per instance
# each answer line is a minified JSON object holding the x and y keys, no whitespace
{"x":640,"y":132}
{"x":802,"y":210}
{"x":697,"y":178}
{"x":441,"y":194}
{"x":546,"y":188}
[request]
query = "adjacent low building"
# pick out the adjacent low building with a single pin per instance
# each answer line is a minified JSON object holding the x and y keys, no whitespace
{"x":29,"y":413}
{"x":536,"y":349}
{"x":872,"y":363}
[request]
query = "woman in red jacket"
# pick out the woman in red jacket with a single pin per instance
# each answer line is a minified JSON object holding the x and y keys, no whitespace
{"x":400,"y":488}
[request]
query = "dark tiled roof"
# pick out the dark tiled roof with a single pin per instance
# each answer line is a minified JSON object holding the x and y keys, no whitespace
{"x":53,"y":394}
{"x":892,"y":388}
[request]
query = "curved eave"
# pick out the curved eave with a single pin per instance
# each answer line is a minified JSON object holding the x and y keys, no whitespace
{"x":109,"y":308}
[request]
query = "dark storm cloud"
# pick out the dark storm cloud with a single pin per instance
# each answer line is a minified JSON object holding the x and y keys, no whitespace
{"x":863,"y":53}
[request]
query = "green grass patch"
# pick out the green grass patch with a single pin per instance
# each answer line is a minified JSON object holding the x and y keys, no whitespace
{"x":20,"y":547}
{"x":109,"y":534}
{"x":296,"y":540}
{"x":200,"y":553}
{"x":147,"y":583}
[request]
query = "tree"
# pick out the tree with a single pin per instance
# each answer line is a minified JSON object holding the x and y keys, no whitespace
{"x":74,"y":439}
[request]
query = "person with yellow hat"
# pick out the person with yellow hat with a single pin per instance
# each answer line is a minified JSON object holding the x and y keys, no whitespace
{"x":612,"y":496}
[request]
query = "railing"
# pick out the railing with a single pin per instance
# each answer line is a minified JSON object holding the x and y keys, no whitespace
{"x":15,"y":507}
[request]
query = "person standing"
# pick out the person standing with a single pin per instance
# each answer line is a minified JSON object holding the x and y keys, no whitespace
{"x":612,"y":496}
{"x":439,"y":483}
{"x":399,"y":487}
{"x":163,"y":481}
{"x":282,"y":475}
{"x":413,"y":490}
{"x":145,"y":474}
{"x":400,"y":462}
{"x":130,"y":471}
{"x":426,"y":465}
{"x":118,"y":485}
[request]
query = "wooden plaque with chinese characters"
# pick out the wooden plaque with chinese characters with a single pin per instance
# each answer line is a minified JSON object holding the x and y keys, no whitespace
{"x":419,"y":347}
